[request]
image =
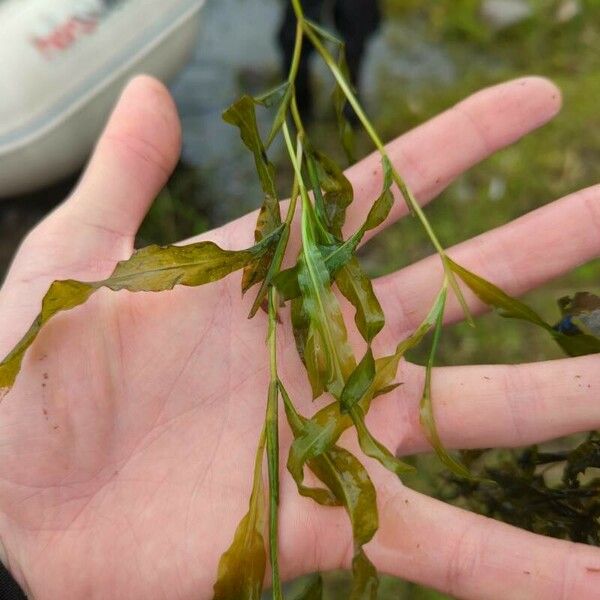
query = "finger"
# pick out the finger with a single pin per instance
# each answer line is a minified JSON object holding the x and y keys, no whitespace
{"x":95,"y":227}
{"x":132,"y":161}
{"x":432,"y":155}
{"x":517,"y":257}
{"x":492,"y":405}
{"x":473,"y":557}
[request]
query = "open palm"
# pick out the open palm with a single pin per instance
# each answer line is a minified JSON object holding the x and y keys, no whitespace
{"x":129,"y":437}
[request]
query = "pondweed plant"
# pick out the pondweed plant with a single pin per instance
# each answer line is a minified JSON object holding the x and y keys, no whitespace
{"x":321,"y":195}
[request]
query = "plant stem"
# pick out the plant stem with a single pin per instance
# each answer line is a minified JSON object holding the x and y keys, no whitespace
{"x":272,"y":427}
{"x":407,"y":195}
{"x":297,"y":55}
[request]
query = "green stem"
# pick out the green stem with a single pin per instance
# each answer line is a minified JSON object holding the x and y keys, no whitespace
{"x":272,"y":427}
{"x":407,"y":195}
{"x":296,"y":158}
{"x":297,"y":54}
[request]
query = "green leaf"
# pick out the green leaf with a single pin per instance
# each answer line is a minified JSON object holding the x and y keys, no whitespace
{"x":281,"y":114}
{"x":242,"y":114}
{"x":381,"y":207}
{"x":426,"y":408}
{"x":274,"y":96}
{"x":323,"y":496}
{"x":357,"y":288}
{"x":323,"y":430}
{"x":387,"y":366}
{"x":375,"y":449}
{"x":333,"y":192}
{"x":345,"y":131}
{"x":359,"y":381}
{"x":338,"y":255}
{"x":275,"y":264}
{"x":578,"y":345}
{"x":493,"y":296}
{"x":286,"y":282}
{"x":324,"y":33}
{"x":350,"y":484}
{"x":151,"y":269}
{"x":242,"y":567}
{"x":574,"y":345}
{"x":329,"y":468}
{"x":328,"y":357}
{"x":365,"y":582}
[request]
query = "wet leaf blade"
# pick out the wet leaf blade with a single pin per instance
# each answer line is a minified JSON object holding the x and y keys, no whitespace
{"x":357,"y":288}
{"x":349,"y":482}
{"x":151,"y":269}
{"x":574,"y":345}
{"x":330,"y":360}
{"x":375,"y":449}
{"x":61,"y":296}
{"x":272,"y":435}
{"x":496,"y":298}
{"x":333,"y":191}
{"x":426,"y":415}
{"x":280,"y":115}
{"x":345,"y":131}
{"x":577,"y":345}
{"x":242,"y":567}
{"x":359,"y":382}
{"x":274,"y":265}
{"x":242,"y":114}
{"x":365,"y":581}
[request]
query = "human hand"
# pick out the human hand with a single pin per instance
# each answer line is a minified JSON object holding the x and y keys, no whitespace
{"x":129,"y":437}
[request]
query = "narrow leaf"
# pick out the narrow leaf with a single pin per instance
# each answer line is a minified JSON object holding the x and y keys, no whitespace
{"x":151,"y":269}
{"x":574,"y":345}
{"x":324,"y":33}
{"x":365,"y":582}
{"x":345,"y":131}
{"x":272,"y":434}
{"x":375,"y":449}
{"x":426,"y":408}
{"x":242,"y":567}
{"x":348,"y":480}
{"x":274,"y":266}
{"x":357,"y":288}
{"x":328,"y":356}
{"x":242,"y":114}
{"x":495,"y":297}
{"x":280,"y":115}
{"x":359,"y":381}
{"x":333,"y":192}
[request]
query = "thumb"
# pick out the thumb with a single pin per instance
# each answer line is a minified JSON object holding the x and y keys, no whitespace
{"x":96,"y":226}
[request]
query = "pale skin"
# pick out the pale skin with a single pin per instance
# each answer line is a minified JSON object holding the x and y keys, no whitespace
{"x":129,"y":437}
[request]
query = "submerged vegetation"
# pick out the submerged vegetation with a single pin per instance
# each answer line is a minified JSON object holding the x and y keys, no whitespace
{"x":320,"y":195}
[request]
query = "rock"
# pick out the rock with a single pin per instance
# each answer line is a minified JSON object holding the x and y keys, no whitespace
{"x":568,"y":10}
{"x":500,"y":14}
